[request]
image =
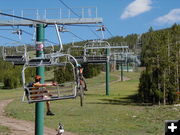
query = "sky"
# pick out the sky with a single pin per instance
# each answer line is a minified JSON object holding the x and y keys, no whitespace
{"x":121,"y":17}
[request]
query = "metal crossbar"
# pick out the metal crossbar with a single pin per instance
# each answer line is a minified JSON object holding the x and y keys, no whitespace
{"x":59,"y":92}
{"x":30,"y":17}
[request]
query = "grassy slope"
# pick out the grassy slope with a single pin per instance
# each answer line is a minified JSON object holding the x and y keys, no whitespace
{"x":103,"y":115}
{"x":8,"y":94}
{"x":4,"y":130}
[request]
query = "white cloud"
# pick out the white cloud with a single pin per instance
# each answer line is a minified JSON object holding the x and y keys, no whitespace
{"x":172,"y":17}
{"x":136,"y":7}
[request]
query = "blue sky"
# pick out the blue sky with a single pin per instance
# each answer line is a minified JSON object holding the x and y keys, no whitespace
{"x":121,"y":17}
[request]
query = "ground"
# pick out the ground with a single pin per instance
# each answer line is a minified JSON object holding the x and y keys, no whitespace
{"x":116,"y":114}
{"x":21,"y":127}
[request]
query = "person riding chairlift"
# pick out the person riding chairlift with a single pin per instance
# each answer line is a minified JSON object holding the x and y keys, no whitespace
{"x":37,"y":84}
{"x":81,"y":76}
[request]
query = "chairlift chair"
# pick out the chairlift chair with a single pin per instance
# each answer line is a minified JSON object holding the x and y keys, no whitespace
{"x":12,"y":54}
{"x":92,"y":53}
{"x":59,"y":92}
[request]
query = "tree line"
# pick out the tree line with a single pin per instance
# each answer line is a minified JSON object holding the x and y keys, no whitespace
{"x":160,"y":55}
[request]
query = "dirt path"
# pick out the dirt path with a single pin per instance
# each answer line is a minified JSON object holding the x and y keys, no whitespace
{"x":124,"y":78}
{"x":119,"y":79}
{"x":21,"y":127}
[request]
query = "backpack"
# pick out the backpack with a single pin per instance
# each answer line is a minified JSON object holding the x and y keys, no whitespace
{"x":30,"y":84}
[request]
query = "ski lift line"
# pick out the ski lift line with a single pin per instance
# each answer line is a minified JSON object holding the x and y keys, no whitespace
{"x":50,"y":41}
{"x":9,"y":39}
{"x":94,"y":32}
{"x":6,"y":29}
{"x":77,"y":16}
{"x":33,"y":35}
{"x":27,"y":32}
{"x":70,"y":9}
{"x":109,"y":32}
{"x":76,"y":35}
{"x":89,"y":26}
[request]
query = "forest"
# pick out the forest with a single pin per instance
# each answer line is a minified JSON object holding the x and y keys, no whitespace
{"x":160,"y":55}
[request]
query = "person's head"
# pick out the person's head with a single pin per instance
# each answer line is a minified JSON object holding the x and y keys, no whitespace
{"x":37,"y":78}
{"x":79,"y":66}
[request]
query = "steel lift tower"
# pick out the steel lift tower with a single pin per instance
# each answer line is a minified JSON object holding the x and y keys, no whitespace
{"x":40,"y":19}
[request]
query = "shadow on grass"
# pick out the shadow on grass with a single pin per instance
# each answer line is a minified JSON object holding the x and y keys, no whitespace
{"x":130,"y":100}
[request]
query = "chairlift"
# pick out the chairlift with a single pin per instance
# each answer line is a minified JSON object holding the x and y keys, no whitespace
{"x":14,"y":55}
{"x":61,"y":91}
{"x":97,"y":44}
{"x":50,"y":47}
{"x":95,"y":51}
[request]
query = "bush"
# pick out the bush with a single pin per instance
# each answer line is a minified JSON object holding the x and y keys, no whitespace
{"x":91,"y":70}
{"x":11,"y":81}
{"x":63,"y":74}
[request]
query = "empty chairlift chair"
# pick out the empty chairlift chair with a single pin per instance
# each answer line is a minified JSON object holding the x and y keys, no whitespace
{"x":15,"y":54}
{"x":95,"y":51}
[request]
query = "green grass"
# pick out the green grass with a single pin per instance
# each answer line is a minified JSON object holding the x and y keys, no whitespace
{"x":102,"y":115}
{"x":49,"y":75}
{"x":4,"y":130}
{"x":11,"y":93}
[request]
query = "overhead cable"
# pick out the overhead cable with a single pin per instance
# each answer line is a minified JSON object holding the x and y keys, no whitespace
{"x":9,"y":39}
{"x":77,"y":15}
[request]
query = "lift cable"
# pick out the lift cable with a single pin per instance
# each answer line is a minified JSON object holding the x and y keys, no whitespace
{"x":44,"y":40}
{"x":76,"y":35}
{"x":109,"y":31}
{"x":70,"y":9}
{"x":9,"y":39}
{"x":77,"y":16}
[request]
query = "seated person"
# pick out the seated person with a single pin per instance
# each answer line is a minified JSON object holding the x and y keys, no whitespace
{"x":36,"y":85}
{"x":82,"y":79}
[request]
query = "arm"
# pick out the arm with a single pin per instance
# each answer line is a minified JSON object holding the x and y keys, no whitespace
{"x":44,"y":85}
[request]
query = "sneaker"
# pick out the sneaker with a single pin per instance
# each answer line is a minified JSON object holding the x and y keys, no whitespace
{"x":49,"y":113}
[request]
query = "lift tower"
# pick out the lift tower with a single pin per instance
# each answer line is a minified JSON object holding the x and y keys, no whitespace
{"x":41,"y":19}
